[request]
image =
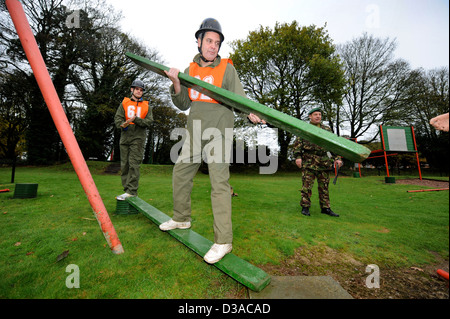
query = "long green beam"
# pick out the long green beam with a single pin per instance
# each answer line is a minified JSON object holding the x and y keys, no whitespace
{"x":336,"y":144}
{"x":242,"y":271}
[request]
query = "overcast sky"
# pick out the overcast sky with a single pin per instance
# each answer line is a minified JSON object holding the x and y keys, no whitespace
{"x":421,"y":27}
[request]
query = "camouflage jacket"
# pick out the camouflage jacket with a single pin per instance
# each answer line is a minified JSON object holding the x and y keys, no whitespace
{"x":313,"y":156}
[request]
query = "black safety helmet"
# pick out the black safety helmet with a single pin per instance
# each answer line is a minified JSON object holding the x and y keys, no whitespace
{"x":139,"y":84}
{"x":210,"y":24}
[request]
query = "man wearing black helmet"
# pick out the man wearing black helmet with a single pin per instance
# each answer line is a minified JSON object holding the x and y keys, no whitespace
{"x":133,"y":117}
{"x":210,"y":120}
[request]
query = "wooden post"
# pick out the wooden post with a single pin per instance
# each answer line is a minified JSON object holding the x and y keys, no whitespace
{"x":384,"y":151}
{"x":417,"y":152}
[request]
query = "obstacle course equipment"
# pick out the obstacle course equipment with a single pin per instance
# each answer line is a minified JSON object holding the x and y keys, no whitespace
{"x":28,"y":190}
{"x":338,"y":145}
{"x":62,"y":124}
{"x":428,"y":190}
{"x":398,"y":139}
{"x":124,"y":208}
{"x":242,"y":271}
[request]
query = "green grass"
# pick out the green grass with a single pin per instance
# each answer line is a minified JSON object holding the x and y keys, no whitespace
{"x":380,"y":223}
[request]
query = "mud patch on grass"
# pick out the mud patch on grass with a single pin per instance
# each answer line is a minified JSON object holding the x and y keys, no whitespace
{"x":413,"y":282}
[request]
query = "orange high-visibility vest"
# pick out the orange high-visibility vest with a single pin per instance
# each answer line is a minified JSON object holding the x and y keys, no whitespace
{"x":210,"y":75}
{"x":132,"y":108}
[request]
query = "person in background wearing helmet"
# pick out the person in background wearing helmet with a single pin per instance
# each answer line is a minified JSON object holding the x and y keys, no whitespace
{"x":133,"y":117}
{"x":316,"y":162}
{"x":214,"y":117}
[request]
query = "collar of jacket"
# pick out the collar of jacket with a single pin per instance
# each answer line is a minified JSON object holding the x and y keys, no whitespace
{"x":212,"y":65}
{"x":318,"y":125}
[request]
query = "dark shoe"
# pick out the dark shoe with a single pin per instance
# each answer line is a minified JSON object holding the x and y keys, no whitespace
{"x":328,"y":211}
{"x":305,"y":211}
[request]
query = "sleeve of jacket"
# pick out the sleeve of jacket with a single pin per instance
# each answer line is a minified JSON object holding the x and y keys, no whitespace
{"x":181,"y":100}
{"x":298,"y":148}
{"x":119,"y":118}
{"x":231,"y":82}
{"x":147,"y":121}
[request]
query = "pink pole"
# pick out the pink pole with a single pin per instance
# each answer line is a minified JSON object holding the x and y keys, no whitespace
{"x":62,"y":124}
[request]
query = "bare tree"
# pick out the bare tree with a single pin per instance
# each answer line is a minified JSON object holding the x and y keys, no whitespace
{"x":376,"y":84}
{"x":429,"y":98}
{"x":84,"y":51}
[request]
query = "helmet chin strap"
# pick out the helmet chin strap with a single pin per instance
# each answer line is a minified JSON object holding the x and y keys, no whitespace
{"x":204,"y":59}
{"x":138,"y":99}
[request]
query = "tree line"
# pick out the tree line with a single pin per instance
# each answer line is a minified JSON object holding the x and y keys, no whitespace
{"x":292,"y":68}
{"x":358,"y":84}
{"x":91,"y":75}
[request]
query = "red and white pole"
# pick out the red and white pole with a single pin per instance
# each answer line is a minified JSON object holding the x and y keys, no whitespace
{"x":62,"y":124}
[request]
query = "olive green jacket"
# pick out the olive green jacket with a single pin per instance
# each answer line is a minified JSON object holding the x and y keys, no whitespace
{"x":136,"y":131}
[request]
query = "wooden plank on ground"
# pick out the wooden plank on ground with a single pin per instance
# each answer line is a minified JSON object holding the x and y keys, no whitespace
{"x":242,"y":271}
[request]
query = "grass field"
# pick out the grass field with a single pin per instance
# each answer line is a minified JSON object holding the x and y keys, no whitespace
{"x":380,"y":224}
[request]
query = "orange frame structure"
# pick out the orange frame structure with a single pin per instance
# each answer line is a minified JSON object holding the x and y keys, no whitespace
{"x":51,"y":98}
{"x":385,"y":154}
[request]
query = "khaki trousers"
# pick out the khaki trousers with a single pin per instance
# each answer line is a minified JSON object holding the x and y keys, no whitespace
{"x":184,"y":172}
{"x":131,"y":156}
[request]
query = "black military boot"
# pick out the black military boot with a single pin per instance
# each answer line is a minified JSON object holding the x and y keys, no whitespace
{"x":328,"y":211}
{"x":305,"y":211}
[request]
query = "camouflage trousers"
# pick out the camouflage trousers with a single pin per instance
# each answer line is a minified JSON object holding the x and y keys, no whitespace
{"x":323,"y":179}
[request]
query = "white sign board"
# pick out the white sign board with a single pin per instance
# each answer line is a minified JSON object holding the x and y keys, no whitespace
{"x":397,"y":140}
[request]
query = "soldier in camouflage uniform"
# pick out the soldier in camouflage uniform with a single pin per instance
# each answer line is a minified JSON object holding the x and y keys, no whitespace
{"x":316,"y":162}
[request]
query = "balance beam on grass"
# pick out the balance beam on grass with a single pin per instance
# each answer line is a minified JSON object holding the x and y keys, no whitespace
{"x":240,"y":270}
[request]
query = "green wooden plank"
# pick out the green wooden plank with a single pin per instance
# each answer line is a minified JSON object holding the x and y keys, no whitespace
{"x":242,"y":271}
{"x":336,"y":144}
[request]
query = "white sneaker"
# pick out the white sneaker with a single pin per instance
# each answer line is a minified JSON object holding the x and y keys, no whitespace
{"x":124,"y":196}
{"x":171,"y":224}
{"x":217,"y":252}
